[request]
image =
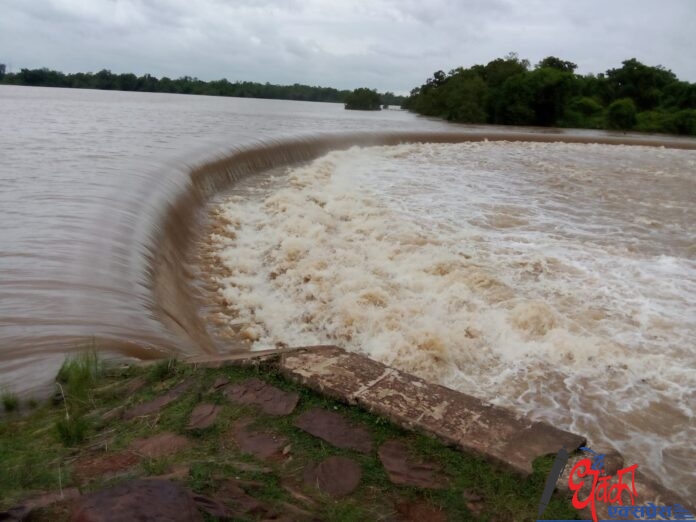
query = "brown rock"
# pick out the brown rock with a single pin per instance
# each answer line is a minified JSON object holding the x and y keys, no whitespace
{"x":335,"y":476}
{"x":220,"y":383}
{"x":134,"y":385}
{"x":335,"y":429}
{"x":270,"y":399}
{"x":155,"y":405}
{"x":403,"y":469}
{"x":420,"y":511}
{"x":160,"y":445}
{"x":103,"y":464}
{"x":260,"y":444}
{"x":23,"y":510}
{"x":112,"y":414}
{"x":151,"y":500}
{"x":474,"y":502}
{"x":212,"y":507}
{"x":203,"y":416}
{"x":297,"y":513}
{"x":177,"y":473}
{"x":239,"y":502}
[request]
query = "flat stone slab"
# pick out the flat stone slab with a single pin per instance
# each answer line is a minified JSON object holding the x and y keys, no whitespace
{"x":155,"y":405}
{"x":219,"y":383}
{"x":160,"y":445}
{"x":269,"y":399}
{"x":335,"y":476}
{"x":454,"y":418}
{"x":335,"y":429}
{"x":420,"y":511}
{"x":152,"y":500}
{"x":263,"y":445}
{"x":404,"y":470}
{"x":233,"y":497}
{"x":203,"y":416}
{"x":103,"y":464}
{"x":28,"y":506}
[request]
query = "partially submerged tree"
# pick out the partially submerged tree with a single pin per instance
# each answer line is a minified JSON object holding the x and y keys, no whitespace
{"x":363,"y":99}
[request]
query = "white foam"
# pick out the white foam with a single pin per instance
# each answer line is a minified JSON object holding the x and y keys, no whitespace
{"x":552,"y":278}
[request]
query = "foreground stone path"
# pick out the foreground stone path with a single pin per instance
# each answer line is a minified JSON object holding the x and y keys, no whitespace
{"x":261,"y":444}
{"x":335,"y":476}
{"x":151,"y":500}
{"x":157,"y":404}
{"x":455,"y":418}
{"x":160,"y":445}
{"x":335,"y":429}
{"x":203,"y":416}
{"x":255,"y":392}
{"x":403,"y":469}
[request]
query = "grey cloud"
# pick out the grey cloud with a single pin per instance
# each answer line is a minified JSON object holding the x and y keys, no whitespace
{"x":387,"y":44}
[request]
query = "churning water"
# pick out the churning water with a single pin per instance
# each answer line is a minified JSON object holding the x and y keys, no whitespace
{"x":557,"y":279}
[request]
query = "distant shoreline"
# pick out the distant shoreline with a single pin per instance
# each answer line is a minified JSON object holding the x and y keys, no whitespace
{"x":105,"y":80}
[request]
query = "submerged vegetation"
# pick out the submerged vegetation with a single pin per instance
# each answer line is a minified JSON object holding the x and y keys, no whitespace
{"x":93,"y":448}
{"x":106,"y":80}
{"x":508,"y":91}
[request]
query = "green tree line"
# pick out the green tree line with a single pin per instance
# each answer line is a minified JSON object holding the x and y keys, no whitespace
{"x":106,"y":80}
{"x":508,"y":91}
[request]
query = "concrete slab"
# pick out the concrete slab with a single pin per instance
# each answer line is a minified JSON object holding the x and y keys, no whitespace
{"x":455,"y":418}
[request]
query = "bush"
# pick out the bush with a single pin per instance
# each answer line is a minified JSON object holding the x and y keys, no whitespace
{"x":621,"y":114}
{"x":363,"y":99}
{"x":685,"y":122}
{"x":586,"y":106}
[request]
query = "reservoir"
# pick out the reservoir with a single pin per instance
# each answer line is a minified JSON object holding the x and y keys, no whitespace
{"x":556,"y":279}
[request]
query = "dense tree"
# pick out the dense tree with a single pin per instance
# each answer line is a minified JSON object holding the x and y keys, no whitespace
{"x":556,"y":63}
{"x":467,"y":98}
{"x":641,"y":83}
{"x":621,"y":114}
{"x":363,"y":99}
{"x":505,"y":91}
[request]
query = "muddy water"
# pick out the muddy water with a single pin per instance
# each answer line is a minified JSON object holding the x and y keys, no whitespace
{"x":87,"y":179}
{"x":102,"y":193}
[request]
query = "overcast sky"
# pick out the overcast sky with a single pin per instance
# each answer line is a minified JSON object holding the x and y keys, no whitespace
{"x":384,"y":44}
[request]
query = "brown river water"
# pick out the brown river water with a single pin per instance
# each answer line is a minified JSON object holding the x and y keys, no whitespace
{"x":557,"y":279}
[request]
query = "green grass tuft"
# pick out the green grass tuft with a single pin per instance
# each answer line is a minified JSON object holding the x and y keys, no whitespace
{"x":76,"y":380}
{"x":72,"y":431}
{"x":162,"y":370}
{"x":80,"y":374}
{"x":10,"y":401}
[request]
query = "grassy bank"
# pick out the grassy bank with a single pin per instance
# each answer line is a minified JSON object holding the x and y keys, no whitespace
{"x":82,"y":439}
